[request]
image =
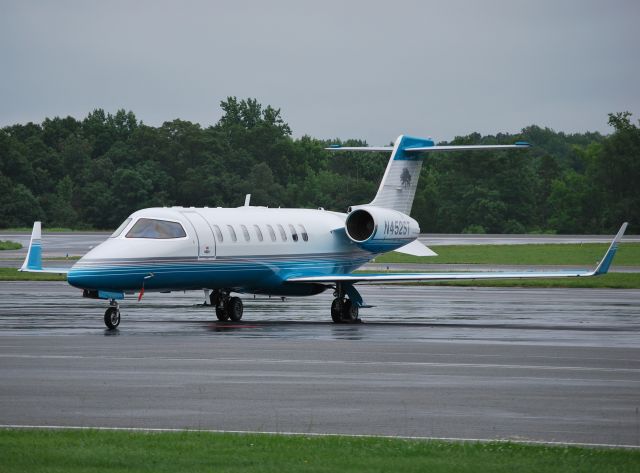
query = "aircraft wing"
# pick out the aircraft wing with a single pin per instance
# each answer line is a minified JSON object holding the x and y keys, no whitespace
{"x":601,"y":268}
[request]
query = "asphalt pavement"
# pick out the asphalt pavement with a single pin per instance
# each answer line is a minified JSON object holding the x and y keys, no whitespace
{"x":526,"y":364}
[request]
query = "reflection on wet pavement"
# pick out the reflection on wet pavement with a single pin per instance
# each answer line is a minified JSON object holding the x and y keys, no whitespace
{"x":541,"y":316}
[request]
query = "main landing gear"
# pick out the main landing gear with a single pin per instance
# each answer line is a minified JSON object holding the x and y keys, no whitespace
{"x":227,"y":307}
{"x":112,"y":315}
{"x":343,"y":309}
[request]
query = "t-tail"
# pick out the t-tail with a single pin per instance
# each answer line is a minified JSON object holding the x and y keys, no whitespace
{"x":398,"y":187}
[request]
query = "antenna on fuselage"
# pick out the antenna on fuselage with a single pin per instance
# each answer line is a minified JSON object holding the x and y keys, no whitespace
{"x":247,"y":200}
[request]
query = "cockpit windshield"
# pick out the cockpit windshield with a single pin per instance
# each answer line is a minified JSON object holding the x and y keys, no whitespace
{"x":157,"y":229}
{"x":121,"y":228}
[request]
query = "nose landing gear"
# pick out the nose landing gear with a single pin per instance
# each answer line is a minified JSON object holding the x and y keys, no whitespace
{"x":112,"y":315}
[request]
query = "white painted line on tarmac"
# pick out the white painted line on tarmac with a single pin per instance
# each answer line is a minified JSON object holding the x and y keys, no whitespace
{"x":320,"y":434}
{"x":254,"y":361}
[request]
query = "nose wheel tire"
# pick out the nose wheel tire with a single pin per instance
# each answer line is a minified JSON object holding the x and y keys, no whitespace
{"x":112,"y":318}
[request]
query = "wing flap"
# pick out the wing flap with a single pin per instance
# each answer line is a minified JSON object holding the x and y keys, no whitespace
{"x":407,"y":277}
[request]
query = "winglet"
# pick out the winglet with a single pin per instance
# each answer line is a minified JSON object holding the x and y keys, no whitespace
{"x":603,"y":266}
{"x":33,"y":261}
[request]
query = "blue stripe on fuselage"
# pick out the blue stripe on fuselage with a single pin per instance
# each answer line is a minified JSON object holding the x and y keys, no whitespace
{"x":266,"y":273}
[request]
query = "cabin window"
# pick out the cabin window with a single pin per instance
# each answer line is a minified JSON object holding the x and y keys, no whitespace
{"x":245,"y":232}
{"x":216,"y":229}
{"x":272,"y":234}
{"x":258,"y":232}
{"x":294,"y":235}
{"x":303,"y":232}
{"x":283,"y":234}
{"x":156,"y":229}
{"x":121,"y":228}
{"x":232,"y":232}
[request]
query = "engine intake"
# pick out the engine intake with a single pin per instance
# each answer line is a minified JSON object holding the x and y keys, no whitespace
{"x":377,"y":229}
{"x":360,"y":225}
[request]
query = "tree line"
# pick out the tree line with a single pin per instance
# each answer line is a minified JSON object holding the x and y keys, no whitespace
{"x":92,"y":173}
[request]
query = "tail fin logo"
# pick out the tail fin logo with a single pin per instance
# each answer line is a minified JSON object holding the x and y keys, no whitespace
{"x":405,"y":178}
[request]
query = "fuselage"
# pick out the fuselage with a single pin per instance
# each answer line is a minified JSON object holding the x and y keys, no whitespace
{"x":246,"y":249}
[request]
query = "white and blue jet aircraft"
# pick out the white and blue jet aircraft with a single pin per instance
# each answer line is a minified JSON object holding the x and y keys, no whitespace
{"x":272,"y":251}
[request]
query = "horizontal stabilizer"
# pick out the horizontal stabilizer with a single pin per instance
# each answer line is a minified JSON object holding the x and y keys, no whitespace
{"x":367,"y":149}
{"x":415,"y":248}
{"x":429,"y":149}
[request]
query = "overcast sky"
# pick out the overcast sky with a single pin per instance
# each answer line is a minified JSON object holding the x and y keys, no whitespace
{"x":361,"y":69}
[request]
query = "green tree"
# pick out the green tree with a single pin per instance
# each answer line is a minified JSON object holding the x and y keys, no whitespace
{"x":616,"y":173}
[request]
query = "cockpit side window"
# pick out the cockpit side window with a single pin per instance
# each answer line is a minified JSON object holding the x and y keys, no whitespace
{"x":121,"y":228}
{"x":156,"y":229}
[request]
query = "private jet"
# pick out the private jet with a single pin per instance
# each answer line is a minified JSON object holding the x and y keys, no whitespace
{"x":273,"y":251}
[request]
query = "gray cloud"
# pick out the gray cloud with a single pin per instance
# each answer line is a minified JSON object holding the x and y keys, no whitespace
{"x":366,"y":69}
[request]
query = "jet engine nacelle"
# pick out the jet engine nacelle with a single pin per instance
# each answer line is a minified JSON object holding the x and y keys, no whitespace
{"x":378,"y":229}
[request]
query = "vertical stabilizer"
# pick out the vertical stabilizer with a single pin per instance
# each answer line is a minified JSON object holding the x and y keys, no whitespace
{"x":400,"y":180}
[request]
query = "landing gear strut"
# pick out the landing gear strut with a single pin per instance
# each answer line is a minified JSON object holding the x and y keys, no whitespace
{"x":343,"y":310}
{"x":112,"y":315}
{"x":227,"y":307}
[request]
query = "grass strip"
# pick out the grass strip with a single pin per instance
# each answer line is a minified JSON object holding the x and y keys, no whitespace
{"x":12,"y":274}
{"x":123,"y":451}
{"x":9,"y":245}
{"x":565,"y":254}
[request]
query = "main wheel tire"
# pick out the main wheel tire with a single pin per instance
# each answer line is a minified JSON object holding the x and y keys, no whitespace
{"x":349,"y":311}
{"x":336,"y":311}
{"x":222,"y":314}
{"x":112,"y":318}
{"x":234,"y":309}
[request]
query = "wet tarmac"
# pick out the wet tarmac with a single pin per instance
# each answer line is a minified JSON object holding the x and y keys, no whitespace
{"x":530,"y":364}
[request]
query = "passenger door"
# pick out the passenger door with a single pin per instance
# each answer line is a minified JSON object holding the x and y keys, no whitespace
{"x":204,"y":232}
